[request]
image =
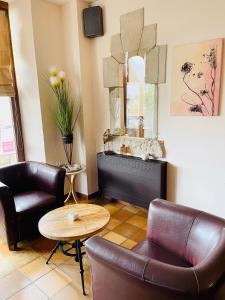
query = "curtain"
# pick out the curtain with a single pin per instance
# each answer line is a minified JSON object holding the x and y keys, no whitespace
{"x":6,"y":65}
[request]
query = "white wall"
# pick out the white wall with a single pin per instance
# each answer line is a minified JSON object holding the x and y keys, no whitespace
{"x":71,"y":44}
{"x":195,"y":145}
{"x":47,"y":28}
{"x":27,"y":80}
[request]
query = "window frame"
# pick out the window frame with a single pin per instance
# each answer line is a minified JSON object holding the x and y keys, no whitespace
{"x":15,"y":100}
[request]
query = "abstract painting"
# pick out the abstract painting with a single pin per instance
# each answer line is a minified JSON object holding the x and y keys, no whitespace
{"x":196,"y":79}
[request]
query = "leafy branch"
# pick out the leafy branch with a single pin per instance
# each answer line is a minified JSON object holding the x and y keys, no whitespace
{"x":65,"y":118}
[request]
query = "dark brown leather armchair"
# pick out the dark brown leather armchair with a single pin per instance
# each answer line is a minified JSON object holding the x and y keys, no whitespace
{"x":27,"y":191}
{"x":182,"y":258}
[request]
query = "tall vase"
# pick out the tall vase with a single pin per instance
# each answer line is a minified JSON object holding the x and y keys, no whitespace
{"x":68,"y":147}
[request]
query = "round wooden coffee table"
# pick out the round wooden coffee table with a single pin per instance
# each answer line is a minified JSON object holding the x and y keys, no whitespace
{"x":55,"y":225}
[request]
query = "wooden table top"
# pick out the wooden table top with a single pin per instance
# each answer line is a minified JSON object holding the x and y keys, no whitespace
{"x":91,"y":219}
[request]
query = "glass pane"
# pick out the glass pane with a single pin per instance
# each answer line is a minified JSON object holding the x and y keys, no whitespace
{"x":7,"y":137}
{"x":141,"y":104}
{"x":133,"y":108}
{"x":149,"y":110}
{"x":116,"y":110}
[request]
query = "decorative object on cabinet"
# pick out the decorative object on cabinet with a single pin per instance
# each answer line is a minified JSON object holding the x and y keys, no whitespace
{"x":139,"y":147}
{"x":132,"y":73}
{"x":196,"y":79}
{"x":107,"y":137}
{"x":65,"y":117}
{"x":131,"y":179}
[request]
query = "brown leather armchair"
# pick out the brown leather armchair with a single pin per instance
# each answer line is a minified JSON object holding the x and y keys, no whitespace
{"x":182,"y":258}
{"x":27,"y":191}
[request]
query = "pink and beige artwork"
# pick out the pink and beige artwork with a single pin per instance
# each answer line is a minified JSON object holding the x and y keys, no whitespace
{"x":196,"y":79}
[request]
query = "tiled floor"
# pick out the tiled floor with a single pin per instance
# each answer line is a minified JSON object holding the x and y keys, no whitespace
{"x":25,"y":276}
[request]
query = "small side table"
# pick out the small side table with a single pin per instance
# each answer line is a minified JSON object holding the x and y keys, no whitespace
{"x":71,"y":177}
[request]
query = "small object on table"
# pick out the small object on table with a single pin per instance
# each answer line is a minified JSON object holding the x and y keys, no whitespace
{"x":71,"y":174}
{"x":56,"y":226}
{"x":72,"y":216}
{"x":123,"y":150}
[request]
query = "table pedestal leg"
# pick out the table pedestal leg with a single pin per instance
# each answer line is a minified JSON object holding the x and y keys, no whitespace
{"x":80,"y":257}
{"x":72,"y":192}
{"x":53,"y":252}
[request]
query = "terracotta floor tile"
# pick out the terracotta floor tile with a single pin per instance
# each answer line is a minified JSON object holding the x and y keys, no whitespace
{"x":53,"y":282}
{"x":43,"y":245}
{"x":36,"y":268}
{"x":143,"y":212}
{"x":58,"y":258}
{"x":126,"y":229}
{"x":21,"y":257}
{"x":117,"y":203}
{"x":111,"y":208}
{"x":30,"y":292}
{"x":115,"y":237}
{"x":137,"y":221}
{"x":12,"y":283}
{"x":129,"y":244}
{"x":103,"y":232}
{"x":139,"y":236}
{"x":122,"y":215}
{"x":4,"y":250}
{"x":132,"y":209}
{"x":72,"y":291}
{"x":6,"y":266}
{"x":72,"y":269}
{"x":113,"y":223}
{"x":124,"y":203}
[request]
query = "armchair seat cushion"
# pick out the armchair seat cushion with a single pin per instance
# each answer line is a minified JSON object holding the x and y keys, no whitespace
{"x":153,"y":250}
{"x":28,"y":202}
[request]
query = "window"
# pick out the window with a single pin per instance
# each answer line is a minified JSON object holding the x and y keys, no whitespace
{"x":11,"y":142}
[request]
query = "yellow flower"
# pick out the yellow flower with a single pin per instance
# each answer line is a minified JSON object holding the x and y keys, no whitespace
{"x":53,"y":71}
{"x":54,"y":81}
{"x":62,"y":75}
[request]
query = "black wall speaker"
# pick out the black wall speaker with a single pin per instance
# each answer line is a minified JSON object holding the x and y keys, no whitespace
{"x":93,"y":22}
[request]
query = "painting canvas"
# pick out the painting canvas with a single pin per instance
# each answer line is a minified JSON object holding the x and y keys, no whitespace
{"x":196,"y":79}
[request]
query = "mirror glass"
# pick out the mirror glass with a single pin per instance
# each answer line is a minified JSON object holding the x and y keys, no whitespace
{"x":140,"y":101}
{"x":116,"y":111}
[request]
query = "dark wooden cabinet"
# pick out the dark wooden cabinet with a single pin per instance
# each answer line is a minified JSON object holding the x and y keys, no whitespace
{"x":131,"y":179}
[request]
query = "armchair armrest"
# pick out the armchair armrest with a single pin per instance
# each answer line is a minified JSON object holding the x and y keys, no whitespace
{"x":8,"y":212}
{"x":211,"y":269}
{"x":145,"y":275}
{"x":118,"y":257}
{"x":7,"y":201}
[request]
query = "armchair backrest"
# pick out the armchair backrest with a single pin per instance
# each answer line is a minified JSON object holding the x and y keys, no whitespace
{"x":28,"y":176}
{"x":15,"y":176}
{"x":189,"y":233}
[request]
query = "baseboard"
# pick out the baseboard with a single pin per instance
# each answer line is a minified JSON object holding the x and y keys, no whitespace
{"x":85,"y":197}
{"x":90,"y":196}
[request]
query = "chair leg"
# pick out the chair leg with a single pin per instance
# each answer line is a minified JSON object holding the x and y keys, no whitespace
{"x":13,"y":247}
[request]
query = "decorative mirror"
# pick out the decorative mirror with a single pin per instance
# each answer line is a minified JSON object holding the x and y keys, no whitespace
{"x":132,"y":74}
